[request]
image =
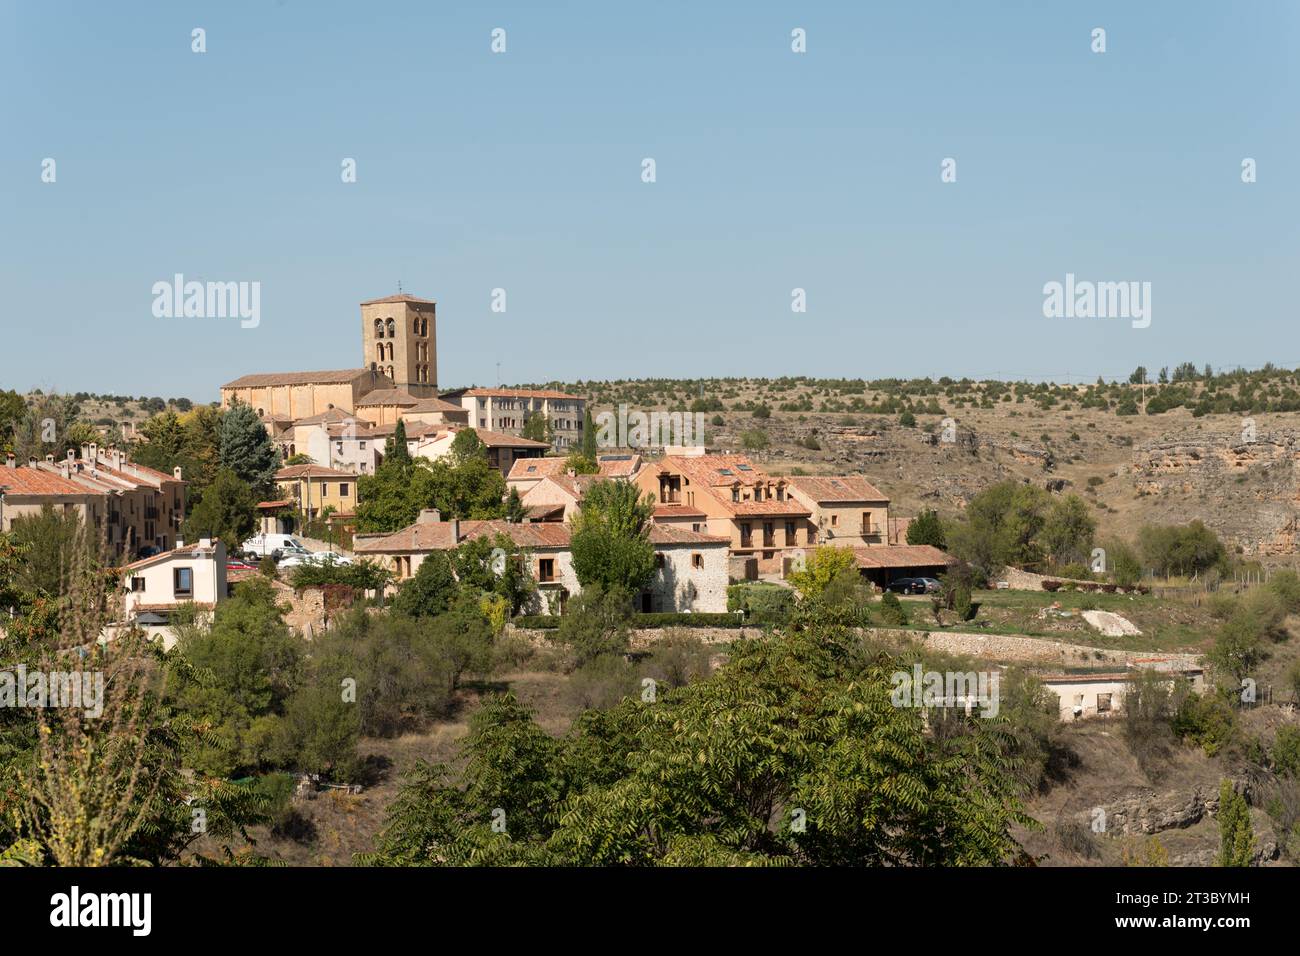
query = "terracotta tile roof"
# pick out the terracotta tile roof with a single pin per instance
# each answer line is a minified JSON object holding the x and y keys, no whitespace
{"x":619,"y":466}
{"x":576,"y":486}
{"x":37,"y":481}
{"x":501,"y":440}
{"x":902,"y":556}
{"x":518,"y":393}
{"x":388,"y":396}
{"x":712,"y":470}
{"x":273,"y":505}
{"x":536,"y":468}
{"x":310,"y":471}
{"x":329,"y":416}
{"x":545,"y":512}
{"x":185,"y":551}
{"x":668,"y":512}
{"x":436,"y":536}
{"x":837,"y":488}
{"x":330,"y":377}
{"x":790,"y":506}
{"x":667,"y":534}
{"x":401,"y":297}
{"x":436,"y":405}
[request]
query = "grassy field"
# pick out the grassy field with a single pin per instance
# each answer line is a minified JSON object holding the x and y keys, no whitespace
{"x":1166,"y":624}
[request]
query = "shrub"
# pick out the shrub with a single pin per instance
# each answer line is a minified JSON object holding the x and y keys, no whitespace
{"x":892,"y":611}
{"x":762,"y":603}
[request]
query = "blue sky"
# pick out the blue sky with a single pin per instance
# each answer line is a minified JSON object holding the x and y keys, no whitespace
{"x":522,"y":171}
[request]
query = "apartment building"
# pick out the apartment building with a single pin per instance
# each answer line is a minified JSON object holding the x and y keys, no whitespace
{"x":527,"y":473}
{"x":755,"y":512}
{"x":156,"y":587}
{"x":690,"y":568}
{"x":506,"y":409}
{"x":314,"y":488}
{"x":847,"y":510}
{"x":434,"y":441}
{"x":129,"y":507}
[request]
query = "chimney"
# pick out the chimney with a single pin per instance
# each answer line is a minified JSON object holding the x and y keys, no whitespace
{"x":176,"y":473}
{"x":65,"y":467}
{"x":455,"y":531}
{"x":180,"y":542}
{"x":11,"y":460}
{"x":49,"y":459}
{"x":31,"y":461}
{"x":94,"y":452}
{"x":429,"y":516}
{"x":119,"y":457}
{"x":72,"y":456}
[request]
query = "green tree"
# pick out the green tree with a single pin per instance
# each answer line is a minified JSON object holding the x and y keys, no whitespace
{"x":430,"y":591}
{"x":493,"y":564}
{"x":537,"y":427}
{"x":228,"y":511}
{"x":590,"y":449}
{"x":798,"y":728}
{"x":823,"y":566}
{"x":1236,"y":835}
{"x":50,"y":541}
{"x":395,"y":449}
{"x":610,"y":541}
{"x":1068,"y":530}
{"x":13,"y":408}
{"x":927,"y":528}
{"x":247,"y":450}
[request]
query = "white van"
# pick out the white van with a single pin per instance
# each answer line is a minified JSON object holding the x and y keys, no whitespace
{"x":267,"y":544}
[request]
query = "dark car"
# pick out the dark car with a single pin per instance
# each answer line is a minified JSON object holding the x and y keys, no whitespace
{"x":906,"y":586}
{"x":930,"y":585}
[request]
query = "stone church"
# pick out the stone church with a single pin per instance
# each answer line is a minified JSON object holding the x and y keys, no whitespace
{"x":399,"y":340}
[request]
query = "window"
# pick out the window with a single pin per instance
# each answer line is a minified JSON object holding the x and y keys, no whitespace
{"x":697,"y":560}
{"x":835,"y":520}
{"x":392,"y":328}
{"x":379,"y":329}
{"x":659,"y":560}
{"x":1103,"y":703}
{"x":137,"y":585}
{"x":546,"y":569}
{"x":183,"y":582}
{"x":343,"y":489}
{"x":361,"y":445}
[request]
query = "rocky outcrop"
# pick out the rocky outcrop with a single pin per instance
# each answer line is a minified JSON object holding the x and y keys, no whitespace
{"x":1244,"y":485}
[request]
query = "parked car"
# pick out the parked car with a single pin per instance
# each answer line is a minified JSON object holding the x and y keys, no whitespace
{"x":324,"y":558}
{"x":265,"y":545}
{"x":237,"y":564}
{"x":906,"y":586}
{"x":932,"y":585}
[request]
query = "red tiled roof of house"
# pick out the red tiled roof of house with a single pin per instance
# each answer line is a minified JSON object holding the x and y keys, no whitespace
{"x":769,"y":506}
{"x":518,"y":393}
{"x":435,"y":405}
{"x":328,"y":377}
{"x":310,"y":471}
{"x":713,"y":470}
{"x":329,"y":416}
{"x":902,"y":556}
{"x":619,"y":466}
{"x":668,"y":512}
{"x":837,"y":488}
{"x":183,"y":551}
{"x":436,"y":536}
{"x":388,"y":396}
{"x":37,"y":481}
{"x":536,"y":468}
{"x":667,"y":534}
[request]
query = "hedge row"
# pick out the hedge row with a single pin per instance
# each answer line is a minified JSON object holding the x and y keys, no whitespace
{"x":661,"y":619}
{"x":1094,"y":586}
